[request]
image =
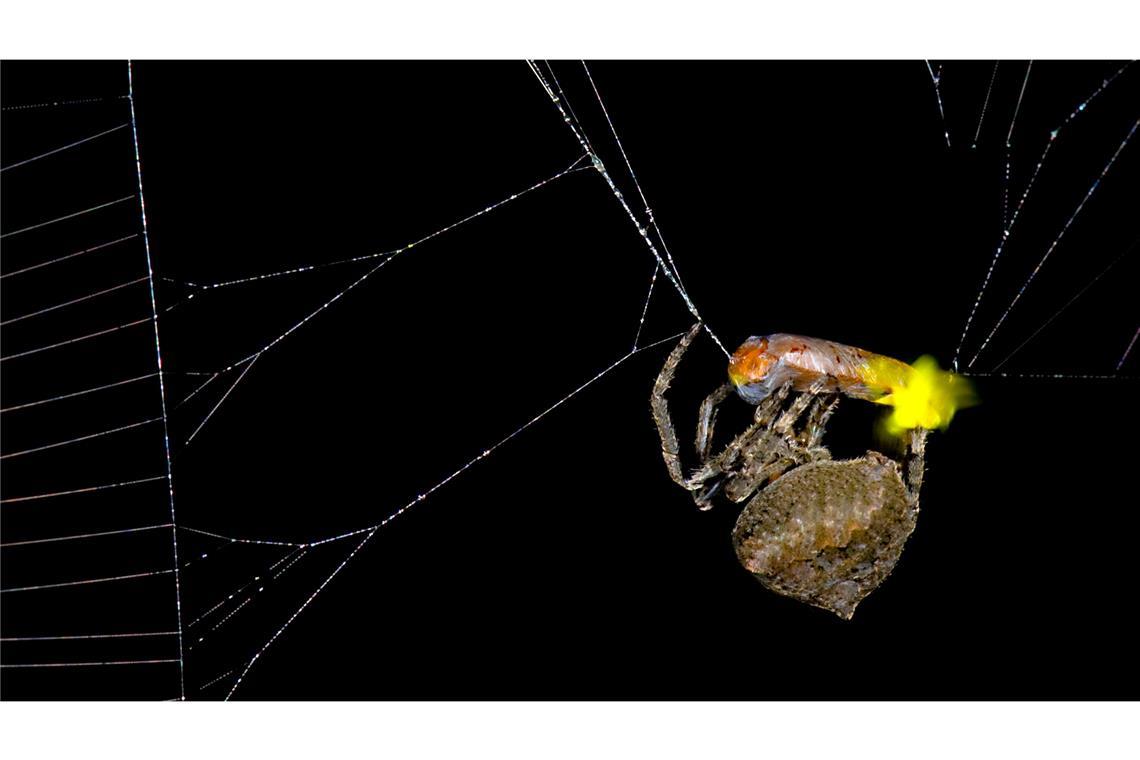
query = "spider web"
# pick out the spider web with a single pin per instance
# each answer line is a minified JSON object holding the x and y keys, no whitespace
{"x":262,"y":594}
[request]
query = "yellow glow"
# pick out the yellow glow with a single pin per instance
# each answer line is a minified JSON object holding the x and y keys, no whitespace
{"x":927,"y":397}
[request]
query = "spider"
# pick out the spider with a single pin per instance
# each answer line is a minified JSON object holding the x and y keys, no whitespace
{"x":821,"y":531}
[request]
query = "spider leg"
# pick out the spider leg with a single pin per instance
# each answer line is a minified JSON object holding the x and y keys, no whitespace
{"x":767,"y":409}
{"x":787,"y":448}
{"x":720,"y":468}
{"x":670,"y":448}
{"x":784,"y":424}
{"x":820,"y":413}
{"x":757,"y":475}
{"x":707,"y":419}
{"x":765,"y":456}
{"x":914,"y":463}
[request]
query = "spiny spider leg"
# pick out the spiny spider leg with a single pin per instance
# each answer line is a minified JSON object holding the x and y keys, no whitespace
{"x":720,"y":468}
{"x":768,"y":448}
{"x":915,"y":463}
{"x":670,"y":448}
{"x":707,"y":420}
{"x":820,"y":413}
{"x":756,"y":475}
{"x":769,"y":408}
{"x":785,"y":448}
{"x":759,"y":449}
{"x":784,"y":424}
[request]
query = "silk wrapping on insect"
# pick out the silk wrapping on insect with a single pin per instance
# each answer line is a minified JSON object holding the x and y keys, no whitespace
{"x":922,"y":395}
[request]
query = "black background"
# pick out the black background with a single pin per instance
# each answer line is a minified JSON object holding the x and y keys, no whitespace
{"x":817,"y":198}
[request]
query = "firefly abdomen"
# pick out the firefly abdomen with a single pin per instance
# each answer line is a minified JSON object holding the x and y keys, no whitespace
{"x":922,"y":395}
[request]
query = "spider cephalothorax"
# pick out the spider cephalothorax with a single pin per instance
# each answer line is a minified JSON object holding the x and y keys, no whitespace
{"x":820,"y":531}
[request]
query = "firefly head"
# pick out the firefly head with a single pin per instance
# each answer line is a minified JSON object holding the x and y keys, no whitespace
{"x":750,"y":370}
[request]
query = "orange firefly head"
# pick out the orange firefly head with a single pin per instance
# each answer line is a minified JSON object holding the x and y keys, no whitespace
{"x":751,"y":362}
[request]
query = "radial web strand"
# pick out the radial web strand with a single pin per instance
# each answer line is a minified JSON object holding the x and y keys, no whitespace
{"x":297,"y":568}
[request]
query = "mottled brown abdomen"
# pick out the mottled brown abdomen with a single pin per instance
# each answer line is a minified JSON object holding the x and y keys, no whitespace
{"x":827,"y":533}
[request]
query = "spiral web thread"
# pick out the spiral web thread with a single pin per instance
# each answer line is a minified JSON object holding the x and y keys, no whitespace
{"x":286,"y":555}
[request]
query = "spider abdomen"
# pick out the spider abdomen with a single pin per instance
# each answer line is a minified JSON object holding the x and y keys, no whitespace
{"x":827,"y":533}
